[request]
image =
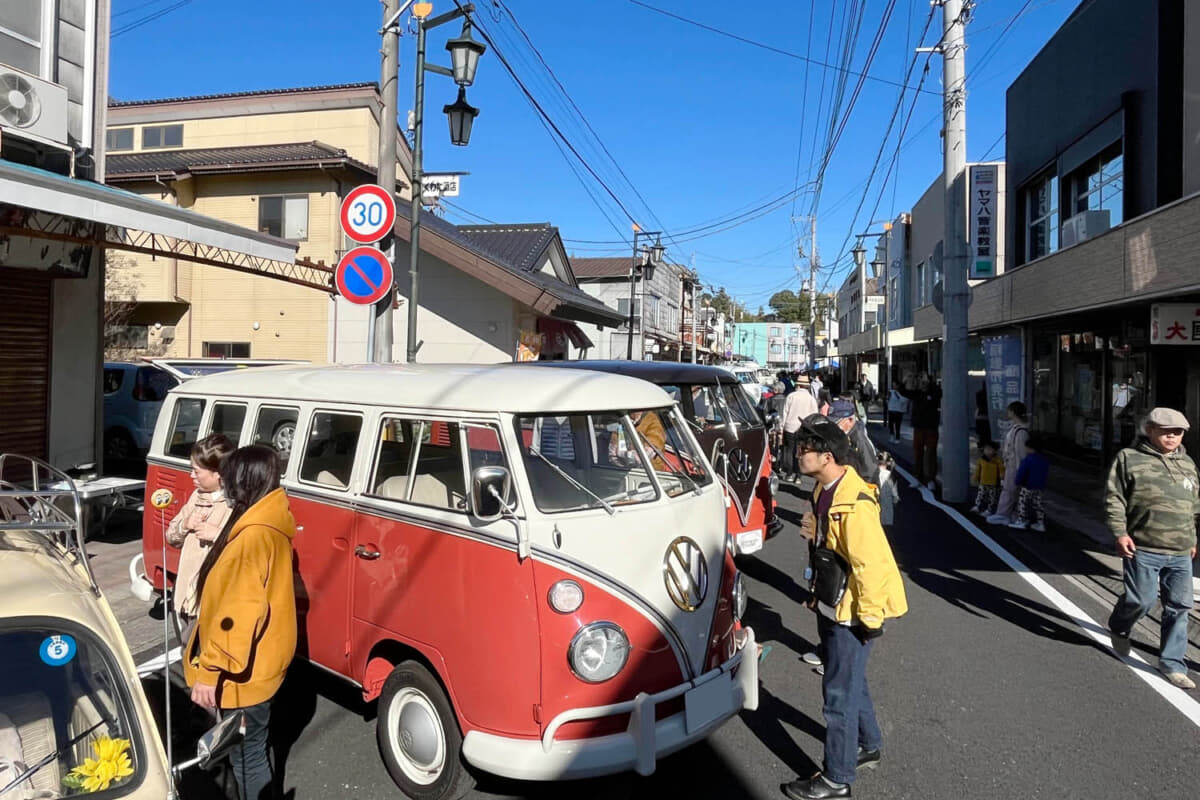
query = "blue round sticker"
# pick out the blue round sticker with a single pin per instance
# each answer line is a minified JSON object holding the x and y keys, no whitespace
{"x":57,"y":650}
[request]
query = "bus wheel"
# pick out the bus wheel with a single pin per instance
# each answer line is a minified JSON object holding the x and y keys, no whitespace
{"x":418,"y":736}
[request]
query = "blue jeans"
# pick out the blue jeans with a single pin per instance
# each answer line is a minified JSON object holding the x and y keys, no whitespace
{"x":849,"y":714}
{"x":1147,"y":576}
{"x":250,"y":760}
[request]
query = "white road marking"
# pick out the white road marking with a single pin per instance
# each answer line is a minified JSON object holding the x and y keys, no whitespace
{"x":157,"y":663}
{"x":1180,"y":699}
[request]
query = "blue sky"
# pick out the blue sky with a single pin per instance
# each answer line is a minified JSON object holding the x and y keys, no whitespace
{"x":704,"y":128}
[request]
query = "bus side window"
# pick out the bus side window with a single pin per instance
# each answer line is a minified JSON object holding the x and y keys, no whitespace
{"x":484,"y":450}
{"x":276,"y":427}
{"x":185,"y":427}
{"x":329,"y":453}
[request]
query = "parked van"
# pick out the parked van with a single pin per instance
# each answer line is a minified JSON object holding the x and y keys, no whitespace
{"x":747,"y":374}
{"x":731,"y":434}
{"x":528,"y":569}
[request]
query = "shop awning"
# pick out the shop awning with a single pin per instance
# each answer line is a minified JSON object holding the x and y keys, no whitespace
{"x":93,"y":202}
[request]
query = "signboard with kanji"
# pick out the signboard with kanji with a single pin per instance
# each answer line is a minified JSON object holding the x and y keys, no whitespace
{"x":983,"y":195}
{"x":1175,"y":323}
{"x":1005,"y":379}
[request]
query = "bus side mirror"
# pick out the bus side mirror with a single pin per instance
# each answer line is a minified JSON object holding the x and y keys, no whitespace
{"x":489,"y":486}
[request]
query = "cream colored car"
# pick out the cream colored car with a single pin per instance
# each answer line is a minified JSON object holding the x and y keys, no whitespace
{"x":73,"y":716}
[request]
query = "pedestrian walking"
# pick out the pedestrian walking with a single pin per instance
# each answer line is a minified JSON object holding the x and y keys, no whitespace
{"x":926,"y":399}
{"x":1152,"y":499}
{"x":1032,"y":476}
{"x":245,"y":637}
{"x":889,"y":494}
{"x":197,"y":526}
{"x":1012,"y":449}
{"x":897,"y":405}
{"x":798,"y":405}
{"x":863,"y":457}
{"x":989,"y":472}
{"x":855,"y":587}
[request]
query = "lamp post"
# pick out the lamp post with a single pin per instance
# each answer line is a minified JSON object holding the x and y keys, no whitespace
{"x":644,"y":262}
{"x":464,"y":59}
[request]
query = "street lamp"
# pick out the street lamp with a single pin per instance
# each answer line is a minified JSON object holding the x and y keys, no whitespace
{"x":464,"y":59}
{"x":644,"y":262}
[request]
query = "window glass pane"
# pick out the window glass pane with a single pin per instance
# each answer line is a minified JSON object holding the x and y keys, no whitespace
{"x":1114,"y":167}
{"x":438,"y":473}
{"x":239,"y":349}
{"x":270,"y":215}
{"x":113,"y":378}
{"x":276,"y":427}
{"x":707,"y":407}
{"x":605,"y":466}
{"x":119,"y":139}
{"x":21,"y":55}
{"x":329,"y":454}
{"x":738,"y":406}
{"x":57,"y":710}
{"x":295,"y":218}
{"x":390,"y":476}
{"x":185,"y":427}
{"x":679,"y":467}
{"x":484,"y":450}
{"x":227,"y":418}
{"x":151,"y":137}
{"x":24,"y":18}
{"x":173,"y":136}
{"x":152,"y":384}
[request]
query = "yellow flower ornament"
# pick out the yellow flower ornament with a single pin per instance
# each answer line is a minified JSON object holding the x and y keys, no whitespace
{"x":112,"y":762}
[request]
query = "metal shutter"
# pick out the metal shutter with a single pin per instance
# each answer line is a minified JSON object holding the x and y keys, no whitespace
{"x":25,"y":306}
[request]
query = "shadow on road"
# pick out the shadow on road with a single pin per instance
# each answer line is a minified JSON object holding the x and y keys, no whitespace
{"x":767,"y":723}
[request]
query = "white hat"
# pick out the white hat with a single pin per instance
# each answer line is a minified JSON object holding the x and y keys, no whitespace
{"x":1167,"y":418}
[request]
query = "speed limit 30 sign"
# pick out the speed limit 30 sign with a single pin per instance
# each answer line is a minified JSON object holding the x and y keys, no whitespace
{"x":368,"y":213}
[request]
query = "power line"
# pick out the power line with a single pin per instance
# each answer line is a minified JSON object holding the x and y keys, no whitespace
{"x":146,"y":20}
{"x":753,"y":43}
{"x":999,"y":139}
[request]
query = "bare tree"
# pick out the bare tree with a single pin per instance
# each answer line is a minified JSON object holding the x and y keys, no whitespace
{"x":123,"y":341}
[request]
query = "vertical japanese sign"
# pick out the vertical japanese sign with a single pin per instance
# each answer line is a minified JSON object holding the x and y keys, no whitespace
{"x":1175,"y":323}
{"x":982,"y":189}
{"x":1005,"y":380}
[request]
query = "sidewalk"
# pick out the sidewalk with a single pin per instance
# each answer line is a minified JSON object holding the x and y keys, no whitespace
{"x":1076,"y":542}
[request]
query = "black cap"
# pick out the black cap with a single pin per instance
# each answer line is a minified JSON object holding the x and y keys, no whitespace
{"x":825,"y":433}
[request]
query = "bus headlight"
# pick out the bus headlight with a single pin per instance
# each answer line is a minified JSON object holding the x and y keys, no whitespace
{"x":598,"y":652}
{"x":740,"y":598}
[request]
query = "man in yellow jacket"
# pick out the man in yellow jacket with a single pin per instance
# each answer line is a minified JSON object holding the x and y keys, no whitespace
{"x":856,"y":587}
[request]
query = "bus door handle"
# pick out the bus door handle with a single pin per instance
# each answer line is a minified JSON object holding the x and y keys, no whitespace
{"x":362,"y":552}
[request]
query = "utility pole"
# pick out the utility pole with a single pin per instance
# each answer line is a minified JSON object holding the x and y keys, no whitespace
{"x":814,"y":262}
{"x":955,"y":455}
{"x":380,"y":332}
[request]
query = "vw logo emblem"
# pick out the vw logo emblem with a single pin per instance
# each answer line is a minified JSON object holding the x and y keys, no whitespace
{"x":739,"y":465}
{"x":685,"y":574}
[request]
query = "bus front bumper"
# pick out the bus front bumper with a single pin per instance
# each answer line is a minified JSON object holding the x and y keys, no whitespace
{"x":709,"y":701}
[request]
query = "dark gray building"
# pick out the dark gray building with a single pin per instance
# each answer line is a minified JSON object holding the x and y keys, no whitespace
{"x":1103,"y":182}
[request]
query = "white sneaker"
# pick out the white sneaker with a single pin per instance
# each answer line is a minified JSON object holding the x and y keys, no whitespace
{"x":1040,"y":527}
{"x":999,"y":519}
{"x":1019,"y":525}
{"x":1181,"y":680}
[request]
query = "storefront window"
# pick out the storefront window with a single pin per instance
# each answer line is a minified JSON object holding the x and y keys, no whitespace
{"x":1045,"y":384}
{"x":1129,"y":397}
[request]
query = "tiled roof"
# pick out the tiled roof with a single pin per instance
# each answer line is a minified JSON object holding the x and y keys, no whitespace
{"x":231,"y":159}
{"x":601,"y":267}
{"x":520,"y":244}
{"x":579,"y":304}
{"x":297,"y":90}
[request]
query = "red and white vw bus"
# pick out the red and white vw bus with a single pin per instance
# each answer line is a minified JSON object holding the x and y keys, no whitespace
{"x":528,"y":568}
{"x":730,"y":431}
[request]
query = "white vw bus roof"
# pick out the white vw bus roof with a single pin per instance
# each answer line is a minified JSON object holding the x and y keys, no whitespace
{"x":461,"y":387}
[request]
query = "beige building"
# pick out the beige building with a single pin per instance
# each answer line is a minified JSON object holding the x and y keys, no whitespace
{"x":278,"y":162}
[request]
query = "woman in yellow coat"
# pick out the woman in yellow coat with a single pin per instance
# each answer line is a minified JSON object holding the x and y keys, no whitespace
{"x":245,"y":636}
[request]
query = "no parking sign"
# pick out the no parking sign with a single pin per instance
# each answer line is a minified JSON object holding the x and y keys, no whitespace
{"x":368,"y":213}
{"x":363,"y":276}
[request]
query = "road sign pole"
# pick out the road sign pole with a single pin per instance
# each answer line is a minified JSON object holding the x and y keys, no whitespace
{"x":381,"y":315}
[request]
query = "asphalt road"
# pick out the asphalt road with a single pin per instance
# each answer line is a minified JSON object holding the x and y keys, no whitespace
{"x":984,"y":690}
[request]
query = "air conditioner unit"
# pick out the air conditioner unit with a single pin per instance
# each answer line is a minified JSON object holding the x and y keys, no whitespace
{"x":32,"y":108}
{"x":1084,"y":225}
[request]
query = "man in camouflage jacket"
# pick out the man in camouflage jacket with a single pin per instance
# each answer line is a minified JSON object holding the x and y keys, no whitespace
{"x":1152,"y":501}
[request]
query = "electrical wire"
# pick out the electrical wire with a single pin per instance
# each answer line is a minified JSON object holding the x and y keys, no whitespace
{"x":146,"y":20}
{"x":779,"y":51}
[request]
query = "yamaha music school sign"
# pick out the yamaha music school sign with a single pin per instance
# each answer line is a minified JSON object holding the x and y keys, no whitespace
{"x":986,"y":232}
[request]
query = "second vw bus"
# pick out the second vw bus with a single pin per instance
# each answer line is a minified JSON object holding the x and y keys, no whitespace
{"x":528,"y":569}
